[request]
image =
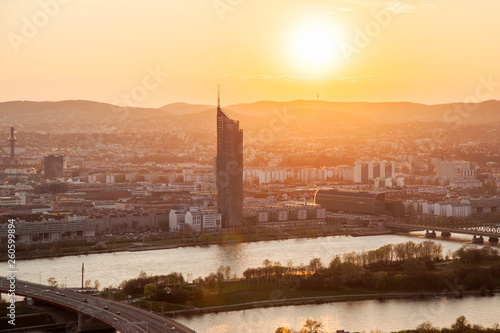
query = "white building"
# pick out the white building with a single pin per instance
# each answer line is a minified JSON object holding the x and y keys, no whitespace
{"x":19,"y":199}
{"x":456,"y":209}
{"x":198,"y":220}
{"x":175,"y":219}
{"x":287,"y":215}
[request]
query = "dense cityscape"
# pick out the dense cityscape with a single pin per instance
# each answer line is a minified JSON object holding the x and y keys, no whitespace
{"x":231,"y":166}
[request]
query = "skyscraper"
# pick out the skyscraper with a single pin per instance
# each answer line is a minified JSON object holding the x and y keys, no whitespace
{"x":12,"y":140}
{"x":229,"y":169}
{"x":53,"y":166}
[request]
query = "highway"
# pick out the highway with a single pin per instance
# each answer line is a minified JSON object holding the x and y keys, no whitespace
{"x":124,"y":318}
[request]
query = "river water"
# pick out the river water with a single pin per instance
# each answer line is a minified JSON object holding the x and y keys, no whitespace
{"x":389,"y":315}
{"x":112,"y":268}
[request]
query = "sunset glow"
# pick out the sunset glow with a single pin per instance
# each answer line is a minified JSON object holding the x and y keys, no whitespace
{"x":429,"y":52}
{"x":314,"y":46}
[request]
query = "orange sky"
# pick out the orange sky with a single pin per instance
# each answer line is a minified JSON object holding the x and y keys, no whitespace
{"x":422,"y":51}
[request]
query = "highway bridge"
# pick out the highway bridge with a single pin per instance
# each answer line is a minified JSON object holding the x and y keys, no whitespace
{"x":95,"y":313}
{"x":492,"y":232}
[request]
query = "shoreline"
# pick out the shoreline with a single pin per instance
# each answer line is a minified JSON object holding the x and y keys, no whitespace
{"x":322,"y":300}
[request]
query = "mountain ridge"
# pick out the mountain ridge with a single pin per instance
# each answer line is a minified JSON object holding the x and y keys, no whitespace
{"x":251,"y":114}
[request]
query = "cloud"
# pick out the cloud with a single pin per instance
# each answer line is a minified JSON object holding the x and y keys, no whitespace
{"x":400,"y":7}
{"x":429,"y":5}
{"x":396,"y":6}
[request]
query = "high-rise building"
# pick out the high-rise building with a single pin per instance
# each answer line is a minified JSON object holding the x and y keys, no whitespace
{"x":53,"y":166}
{"x":12,"y":140}
{"x":361,"y":172}
{"x":387,"y":169}
{"x":229,"y":169}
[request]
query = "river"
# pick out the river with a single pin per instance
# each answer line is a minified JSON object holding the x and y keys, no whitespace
{"x":357,"y":316}
{"x":112,"y":268}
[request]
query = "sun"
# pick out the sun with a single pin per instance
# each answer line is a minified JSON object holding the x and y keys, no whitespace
{"x":313,"y":46}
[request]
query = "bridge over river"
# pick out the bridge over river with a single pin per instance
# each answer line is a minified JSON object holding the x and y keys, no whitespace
{"x":97,"y":314}
{"x":478,"y":231}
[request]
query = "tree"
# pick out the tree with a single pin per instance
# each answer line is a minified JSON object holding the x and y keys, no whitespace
{"x":352,"y":273}
{"x":426,"y":327}
{"x":381,"y":283}
{"x":312,"y":326}
{"x":283,"y":330}
{"x":228,"y":272}
{"x":150,"y":289}
{"x":204,"y":238}
{"x":461,"y":324}
{"x":97,"y":284}
{"x":211,"y":281}
{"x":88,"y":283}
{"x":220,"y":277}
{"x":414,"y":266}
{"x":315,"y":264}
{"x":52,"y":282}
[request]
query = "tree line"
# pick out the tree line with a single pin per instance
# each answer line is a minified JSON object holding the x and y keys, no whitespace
{"x":406,"y":266}
{"x":461,"y":325}
{"x":174,"y":288}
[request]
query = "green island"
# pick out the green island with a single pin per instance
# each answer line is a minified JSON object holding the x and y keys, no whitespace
{"x":405,"y":270}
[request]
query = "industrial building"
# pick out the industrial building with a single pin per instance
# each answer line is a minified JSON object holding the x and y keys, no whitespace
{"x":358,"y":202}
{"x":51,"y":230}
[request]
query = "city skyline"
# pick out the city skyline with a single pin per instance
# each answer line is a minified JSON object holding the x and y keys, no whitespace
{"x":342,"y":50}
{"x":369,"y":168}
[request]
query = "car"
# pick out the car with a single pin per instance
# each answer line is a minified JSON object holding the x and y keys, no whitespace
{"x":25,"y":286}
{"x":63,"y":295}
{"x":117,"y":312}
{"x":85,"y":300}
{"x":47,"y":291}
{"x":57,"y":293}
{"x":105,"y":307}
{"x":172,"y":329}
{"x":115,"y":319}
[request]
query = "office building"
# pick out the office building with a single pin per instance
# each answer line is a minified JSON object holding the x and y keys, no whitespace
{"x":53,"y":166}
{"x":12,"y":140}
{"x":229,"y":170}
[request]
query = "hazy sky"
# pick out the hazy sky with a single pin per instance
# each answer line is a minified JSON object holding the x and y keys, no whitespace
{"x":153,"y":52}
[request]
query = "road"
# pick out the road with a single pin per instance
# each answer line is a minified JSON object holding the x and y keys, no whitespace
{"x":122,"y":317}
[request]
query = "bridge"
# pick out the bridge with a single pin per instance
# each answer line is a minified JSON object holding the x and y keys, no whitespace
{"x":479,"y":231}
{"x":95,"y":313}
